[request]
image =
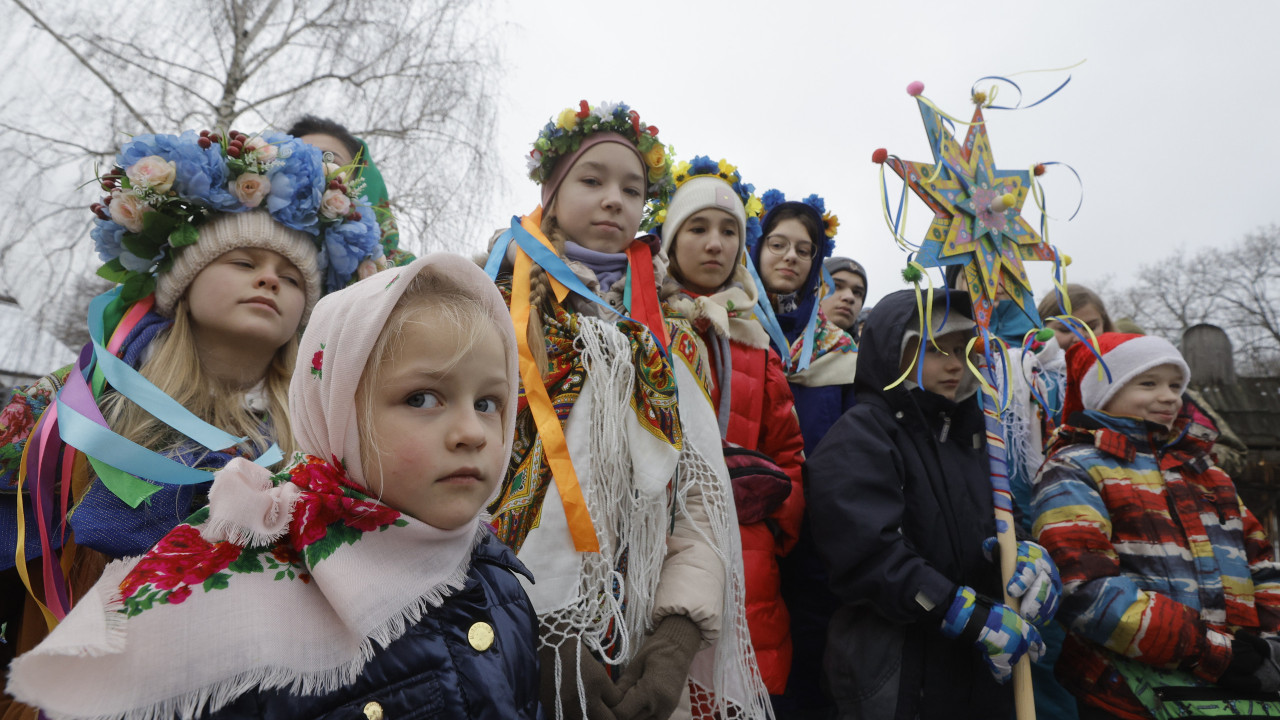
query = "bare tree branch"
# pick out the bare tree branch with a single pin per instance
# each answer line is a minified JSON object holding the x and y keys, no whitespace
{"x":142,"y":120}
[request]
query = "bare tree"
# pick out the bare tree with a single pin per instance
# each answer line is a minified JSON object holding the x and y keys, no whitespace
{"x":1236,"y":288}
{"x":415,"y":78}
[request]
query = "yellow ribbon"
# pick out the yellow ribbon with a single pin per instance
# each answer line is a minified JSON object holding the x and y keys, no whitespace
{"x":554,"y":446}
{"x":924,"y":309}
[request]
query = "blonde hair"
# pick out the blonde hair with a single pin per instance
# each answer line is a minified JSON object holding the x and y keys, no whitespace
{"x":446,"y":302}
{"x":175,"y":368}
{"x":1080,"y":296}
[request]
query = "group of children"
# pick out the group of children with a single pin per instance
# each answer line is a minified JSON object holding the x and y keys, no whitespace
{"x":609,"y":475}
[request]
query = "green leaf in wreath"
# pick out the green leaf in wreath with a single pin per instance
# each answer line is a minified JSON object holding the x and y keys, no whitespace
{"x":113,"y":271}
{"x":158,"y":225}
{"x":137,"y":287}
{"x":144,"y":244}
{"x":183,"y":235}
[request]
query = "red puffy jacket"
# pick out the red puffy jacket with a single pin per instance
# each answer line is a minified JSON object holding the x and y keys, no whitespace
{"x":762,"y":417}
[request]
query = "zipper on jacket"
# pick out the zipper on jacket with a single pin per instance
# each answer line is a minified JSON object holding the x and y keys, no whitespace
{"x":946,"y":428}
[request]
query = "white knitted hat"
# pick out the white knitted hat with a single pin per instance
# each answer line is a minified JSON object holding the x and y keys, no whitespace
{"x":699,"y":193}
{"x":1128,"y":358}
{"x":226,"y":232}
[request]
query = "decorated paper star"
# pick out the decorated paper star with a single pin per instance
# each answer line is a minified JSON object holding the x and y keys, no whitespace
{"x":978,"y":221}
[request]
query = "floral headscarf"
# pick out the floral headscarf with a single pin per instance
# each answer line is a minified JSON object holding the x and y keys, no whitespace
{"x":272,"y":581}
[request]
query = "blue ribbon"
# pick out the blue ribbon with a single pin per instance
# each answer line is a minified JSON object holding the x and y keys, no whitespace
{"x":131,"y":384}
{"x":1018,"y":105}
{"x":556,"y":268}
{"x":103,"y":444}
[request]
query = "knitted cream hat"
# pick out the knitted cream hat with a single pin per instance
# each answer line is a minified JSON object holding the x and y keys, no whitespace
{"x":226,"y":232}
{"x":699,"y":193}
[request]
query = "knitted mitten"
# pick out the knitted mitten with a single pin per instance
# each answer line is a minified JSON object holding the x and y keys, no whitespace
{"x":999,"y":632}
{"x":1035,"y":580}
{"x":658,"y":676}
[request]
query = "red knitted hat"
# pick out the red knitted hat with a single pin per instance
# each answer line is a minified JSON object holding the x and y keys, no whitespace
{"x":1126,"y":356}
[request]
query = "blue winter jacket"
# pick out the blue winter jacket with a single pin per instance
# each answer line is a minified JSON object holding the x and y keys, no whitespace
{"x":433,"y":670}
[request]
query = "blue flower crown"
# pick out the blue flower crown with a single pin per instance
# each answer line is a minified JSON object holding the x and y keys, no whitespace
{"x":726,"y":171}
{"x":772,"y":199}
{"x":163,"y":187}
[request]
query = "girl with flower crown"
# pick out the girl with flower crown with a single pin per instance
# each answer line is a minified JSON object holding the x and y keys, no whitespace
{"x":616,"y":496}
{"x":709,"y":293}
{"x":360,"y":581}
{"x":820,"y":360}
{"x":221,"y":245}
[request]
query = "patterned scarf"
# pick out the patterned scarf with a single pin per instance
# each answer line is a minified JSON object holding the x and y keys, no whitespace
{"x":282,"y":567}
{"x":653,"y":401}
{"x":316,"y":531}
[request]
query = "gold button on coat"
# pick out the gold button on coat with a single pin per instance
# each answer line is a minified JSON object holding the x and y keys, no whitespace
{"x":480,"y":636}
{"x":373,"y":711}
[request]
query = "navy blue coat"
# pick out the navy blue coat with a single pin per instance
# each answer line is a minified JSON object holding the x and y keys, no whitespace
{"x":900,"y":510}
{"x":432,"y":671}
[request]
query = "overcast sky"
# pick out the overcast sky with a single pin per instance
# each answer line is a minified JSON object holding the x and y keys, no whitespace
{"x":1170,"y":121}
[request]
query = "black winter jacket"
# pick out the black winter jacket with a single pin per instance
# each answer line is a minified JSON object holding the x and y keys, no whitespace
{"x":433,"y":670}
{"x":900,"y":497}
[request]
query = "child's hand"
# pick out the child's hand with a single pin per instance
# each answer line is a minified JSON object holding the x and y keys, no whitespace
{"x":1035,"y":580}
{"x":995,"y":628}
{"x":658,"y":676}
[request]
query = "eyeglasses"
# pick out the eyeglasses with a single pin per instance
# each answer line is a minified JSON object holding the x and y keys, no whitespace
{"x":805,"y":250}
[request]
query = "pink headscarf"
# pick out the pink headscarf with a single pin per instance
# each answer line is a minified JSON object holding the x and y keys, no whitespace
{"x":335,"y":349}
{"x":308,"y":622}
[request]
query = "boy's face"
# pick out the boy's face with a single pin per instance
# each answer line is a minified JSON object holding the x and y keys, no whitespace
{"x":844,"y":302}
{"x":941,"y":373}
{"x":1154,"y":396}
{"x":438,"y":422}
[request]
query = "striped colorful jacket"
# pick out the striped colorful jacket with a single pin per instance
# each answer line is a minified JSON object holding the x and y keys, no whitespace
{"x":1160,"y":560}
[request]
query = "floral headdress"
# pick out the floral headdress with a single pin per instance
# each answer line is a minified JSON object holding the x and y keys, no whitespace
{"x":772,"y":199}
{"x":564,"y":135}
{"x":163,"y":187}
{"x":704,"y":165}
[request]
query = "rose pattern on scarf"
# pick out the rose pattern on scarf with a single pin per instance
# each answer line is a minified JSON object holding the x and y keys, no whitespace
{"x":317,"y":362}
{"x":331,"y":511}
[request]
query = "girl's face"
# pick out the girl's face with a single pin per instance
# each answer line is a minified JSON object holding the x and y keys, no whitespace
{"x":706,"y":248}
{"x":329,"y":144}
{"x":437,"y":420}
{"x":249,"y":295}
{"x":601,"y":201}
{"x":785,"y":272}
{"x":1088,"y":314}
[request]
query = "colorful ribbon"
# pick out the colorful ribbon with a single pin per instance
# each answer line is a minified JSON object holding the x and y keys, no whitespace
{"x":554,"y":445}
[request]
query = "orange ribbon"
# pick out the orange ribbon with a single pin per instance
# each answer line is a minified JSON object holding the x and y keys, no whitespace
{"x":554,"y":446}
